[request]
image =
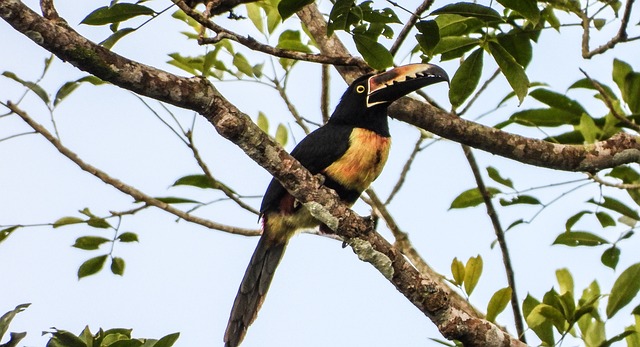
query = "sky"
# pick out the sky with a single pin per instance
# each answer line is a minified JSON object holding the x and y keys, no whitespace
{"x":183,"y":277}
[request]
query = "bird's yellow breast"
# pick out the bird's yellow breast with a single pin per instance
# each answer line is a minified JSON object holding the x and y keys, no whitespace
{"x":362,"y":162}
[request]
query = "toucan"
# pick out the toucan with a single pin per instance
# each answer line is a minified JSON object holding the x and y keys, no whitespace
{"x":350,"y":151}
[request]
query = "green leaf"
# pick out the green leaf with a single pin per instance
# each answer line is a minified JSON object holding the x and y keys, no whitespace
{"x":527,"y":8}
{"x":255,"y":15}
{"x":110,"y":41}
{"x":579,"y":238}
{"x":610,"y":257}
{"x":455,"y":25}
{"x":91,"y":266}
{"x":466,"y":79}
{"x":375,"y":54}
{"x":127,"y":237}
{"x":455,"y":43}
{"x":66,"y":221}
{"x":617,"y":206}
{"x":510,"y":68}
{"x":588,"y":128}
{"x":457,"y":270}
{"x":624,"y":289}
{"x":518,"y":44}
{"x":429,"y":35}
{"x":242,"y":64}
{"x":631,"y":94}
{"x":599,"y":23}
{"x":543,"y":329}
{"x":471,"y":197}
{"x":468,"y":9}
{"x":544,"y":313}
{"x":71,"y":86}
{"x":472,"y":272}
{"x":605,"y":219}
{"x":176,"y":200}
{"x":4,"y":233}
{"x":281,"y":135}
{"x":574,"y":219}
{"x":99,"y":223}
{"x":565,"y":280}
{"x":620,"y":71}
{"x":520,"y":199}
{"x":6,"y":318}
{"x":586,"y":84}
{"x":544,"y":117}
{"x":117,"y":13}
{"x":63,"y":338}
{"x":41,"y":93}
{"x":288,"y":7}
{"x":89,"y":242}
{"x":290,"y":39}
{"x":558,"y":101}
{"x":117,"y":266}
{"x":263,"y":122}
{"x":200,"y":181}
{"x":495,"y":175}
{"x":498,"y":303}
{"x":167,"y":341}
{"x":339,"y":16}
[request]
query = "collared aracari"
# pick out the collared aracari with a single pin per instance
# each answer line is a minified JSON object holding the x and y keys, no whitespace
{"x":350,"y":152}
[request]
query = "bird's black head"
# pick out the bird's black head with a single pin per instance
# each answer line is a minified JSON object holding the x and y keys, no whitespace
{"x":365,"y":102}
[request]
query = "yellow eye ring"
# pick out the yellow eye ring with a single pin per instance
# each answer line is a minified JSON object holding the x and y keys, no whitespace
{"x":360,"y":89}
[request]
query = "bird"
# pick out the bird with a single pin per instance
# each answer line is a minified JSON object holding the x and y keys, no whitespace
{"x":349,"y":151}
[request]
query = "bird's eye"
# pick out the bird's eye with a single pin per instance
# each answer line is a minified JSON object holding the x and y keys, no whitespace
{"x":360,"y":89}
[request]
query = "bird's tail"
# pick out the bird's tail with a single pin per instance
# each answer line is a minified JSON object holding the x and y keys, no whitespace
{"x":254,"y":287}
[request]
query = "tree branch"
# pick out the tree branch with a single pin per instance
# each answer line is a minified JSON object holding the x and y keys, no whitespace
{"x":409,"y":25}
{"x":502,"y":241}
{"x":251,"y":43}
{"x":621,"y":36}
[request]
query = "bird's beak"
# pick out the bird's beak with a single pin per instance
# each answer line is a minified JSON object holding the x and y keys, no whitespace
{"x":389,"y":86}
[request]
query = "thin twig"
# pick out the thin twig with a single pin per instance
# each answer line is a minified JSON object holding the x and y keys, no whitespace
{"x":497,"y":227}
{"x":127,"y":189}
{"x":324,"y":94}
{"x":425,"y":5}
{"x":251,"y":43}
{"x":405,"y":169}
{"x":484,"y":87}
{"x":212,"y":180}
{"x":621,"y":36}
{"x":607,"y":100}
{"x":601,"y":181}
{"x":292,"y":109}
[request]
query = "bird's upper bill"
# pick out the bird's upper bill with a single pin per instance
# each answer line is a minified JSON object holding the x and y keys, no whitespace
{"x":390,"y":85}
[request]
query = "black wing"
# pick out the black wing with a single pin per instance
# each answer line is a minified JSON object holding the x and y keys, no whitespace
{"x":315,"y":152}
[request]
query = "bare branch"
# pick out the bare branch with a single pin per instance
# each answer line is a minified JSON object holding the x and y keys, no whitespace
{"x":621,"y":36}
{"x":324,"y":94}
{"x":212,"y":180}
{"x":502,"y":241}
{"x":121,"y":186}
{"x":405,"y":170}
